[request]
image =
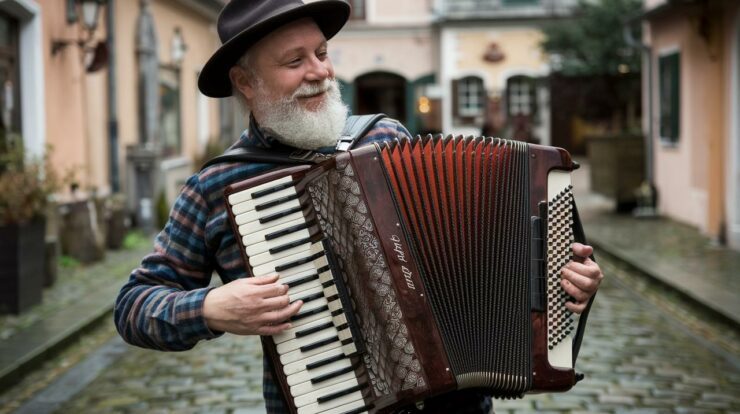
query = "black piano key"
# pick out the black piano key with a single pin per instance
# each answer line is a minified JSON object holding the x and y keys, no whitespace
{"x":276,"y":216}
{"x":327,"y":284}
{"x":309,"y":313}
{"x":275,"y":202}
{"x":298,"y":262}
{"x":319,"y":344}
{"x":367,"y":407}
{"x":302,"y":280}
{"x":286,"y":231}
{"x":314,"y":329}
{"x":324,"y":269}
{"x":342,"y":393}
{"x":310,"y":298}
{"x":325,"y":361}
{"x":274,"y":189}
{"x":330,"y":375}
{"x":284,"y":247}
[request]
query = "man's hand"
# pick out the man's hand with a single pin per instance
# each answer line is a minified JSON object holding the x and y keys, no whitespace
{"x":581,"y":280}
{"x":251,"y":306}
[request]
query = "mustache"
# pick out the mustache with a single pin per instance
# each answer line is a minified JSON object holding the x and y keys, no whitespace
{"x":311,"y":89}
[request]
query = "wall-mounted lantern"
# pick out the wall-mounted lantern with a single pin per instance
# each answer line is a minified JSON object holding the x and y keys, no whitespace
{"x":87,"y":14}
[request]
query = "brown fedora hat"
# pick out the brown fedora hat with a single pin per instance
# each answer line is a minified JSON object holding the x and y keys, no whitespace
{"x":243,"y":22}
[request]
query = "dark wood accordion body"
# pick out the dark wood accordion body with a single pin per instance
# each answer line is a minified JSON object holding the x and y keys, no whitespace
{"x":445,"y":256}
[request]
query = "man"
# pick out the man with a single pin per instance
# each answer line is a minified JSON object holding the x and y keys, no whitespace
{"x":274,"y":59}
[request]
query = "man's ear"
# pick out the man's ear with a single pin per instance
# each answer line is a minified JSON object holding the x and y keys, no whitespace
{"x":242,"y":81}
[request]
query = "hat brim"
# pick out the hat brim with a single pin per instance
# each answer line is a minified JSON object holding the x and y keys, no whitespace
{"x":213,"y":81}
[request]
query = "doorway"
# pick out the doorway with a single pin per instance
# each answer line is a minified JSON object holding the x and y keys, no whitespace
{"x":381,"y":92}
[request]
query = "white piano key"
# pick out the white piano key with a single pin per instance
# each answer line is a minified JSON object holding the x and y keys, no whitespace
{"x":270,"y":267}
{"x":265,"y":245}
{"x":290,"y":333}
{"x":307,"y":387}
{"x":255,"y":237}
{"x":247,"y":224}
{"x":267,"y":257}
{"x":295,"y":344}
{"x":314,"y":304}
{"x":297,"y":355}
{"x":301,"y":365}
{"x":303,"y":286}
{"x":247,"y":194}
{"x":253,"y":215}
{"x":354,"y":405}
{"x":249,"y":205}
{"x":308,"y":375}
{"x":308,"y":292}
{"x":312,"y":397}
{"x":309,"y":319}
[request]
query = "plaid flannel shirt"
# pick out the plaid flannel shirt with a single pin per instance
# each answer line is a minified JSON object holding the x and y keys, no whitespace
{"x":161,"y":305}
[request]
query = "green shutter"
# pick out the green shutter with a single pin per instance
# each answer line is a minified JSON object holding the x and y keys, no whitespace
{"x":669,"y":72}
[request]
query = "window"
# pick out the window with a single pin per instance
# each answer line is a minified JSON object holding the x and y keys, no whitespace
{"x":10,"y":109}
{"x":470,"y":97}
{"x":669,"y":70}
{"x":522,"y":96}
{"x":169,"y":115}
{"x":358,"y":10}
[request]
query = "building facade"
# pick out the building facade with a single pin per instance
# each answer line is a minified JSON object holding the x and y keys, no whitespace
{"x":76,"y":91}
{"x":694,"y":52}
{"x":460,"y":67}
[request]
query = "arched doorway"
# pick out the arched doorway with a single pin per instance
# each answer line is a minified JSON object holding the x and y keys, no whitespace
{"x":381,"y":92}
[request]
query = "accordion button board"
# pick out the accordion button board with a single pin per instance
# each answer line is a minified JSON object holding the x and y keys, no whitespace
{"x":431,"y":307}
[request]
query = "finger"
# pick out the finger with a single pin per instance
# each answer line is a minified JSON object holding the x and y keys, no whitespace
{"x":588,"y":268}
{"x":275,"y":303}
{"x":576,"y":307}
{"x":271,"y":291}
{"x":582,"y":250}
{"x":583,"y":282}
{"x":262,"y":280}
{"x":281,"y":315}
{"x":273,"y":329}
{"x":571,"y":289}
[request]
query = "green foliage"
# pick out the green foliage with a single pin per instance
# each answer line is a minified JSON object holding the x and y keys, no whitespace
{"x":593,"y":43}
{"x":135,"y":239}
{"x":68,"y":262}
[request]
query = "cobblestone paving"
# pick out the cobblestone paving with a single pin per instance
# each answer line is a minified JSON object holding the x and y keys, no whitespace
{"x":635,"y":359}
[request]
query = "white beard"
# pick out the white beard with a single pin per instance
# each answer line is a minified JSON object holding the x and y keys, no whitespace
{"x":293,"y":125}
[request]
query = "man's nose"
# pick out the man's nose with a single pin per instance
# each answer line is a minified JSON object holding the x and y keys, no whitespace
{"x":318,"y":70}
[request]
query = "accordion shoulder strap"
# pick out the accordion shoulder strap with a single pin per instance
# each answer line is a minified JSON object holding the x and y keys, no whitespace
{"x":355,"y":128}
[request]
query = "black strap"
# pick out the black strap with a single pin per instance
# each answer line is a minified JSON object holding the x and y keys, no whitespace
{"x":355,"y":128}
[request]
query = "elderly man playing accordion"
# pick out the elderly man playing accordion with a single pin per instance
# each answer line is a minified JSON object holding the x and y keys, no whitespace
{"x":275,"y":60}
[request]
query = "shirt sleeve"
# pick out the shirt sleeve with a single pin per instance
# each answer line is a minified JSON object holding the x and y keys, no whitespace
{"x":161,"y":305}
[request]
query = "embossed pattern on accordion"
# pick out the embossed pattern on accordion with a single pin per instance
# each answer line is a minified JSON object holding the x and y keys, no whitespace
{"x":559,"y":239}
{"x":390,"y":360}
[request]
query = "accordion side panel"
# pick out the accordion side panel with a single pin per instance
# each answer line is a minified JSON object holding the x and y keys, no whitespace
{"x":546,"y":376}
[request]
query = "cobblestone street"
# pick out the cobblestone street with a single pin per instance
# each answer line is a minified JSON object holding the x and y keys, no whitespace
{"x":636,"y":360}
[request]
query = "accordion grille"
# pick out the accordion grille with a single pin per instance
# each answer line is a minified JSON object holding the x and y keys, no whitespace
{"x":465,"y":207}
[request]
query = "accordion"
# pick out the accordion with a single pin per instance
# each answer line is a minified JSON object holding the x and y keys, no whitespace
{"x":425,"y":265}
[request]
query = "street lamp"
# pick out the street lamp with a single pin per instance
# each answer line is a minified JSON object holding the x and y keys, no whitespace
{"x":84,"y":12}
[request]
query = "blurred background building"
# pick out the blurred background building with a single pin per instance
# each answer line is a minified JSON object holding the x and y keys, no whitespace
{"x":693,"y":88}
{"x":111,"y":86}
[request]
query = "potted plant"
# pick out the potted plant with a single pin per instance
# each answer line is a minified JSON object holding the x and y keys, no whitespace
{"x":25,"y":187}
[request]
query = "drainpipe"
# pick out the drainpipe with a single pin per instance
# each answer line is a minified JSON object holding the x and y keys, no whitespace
{"x":115,"y":183}
{"x":648,"y":193}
